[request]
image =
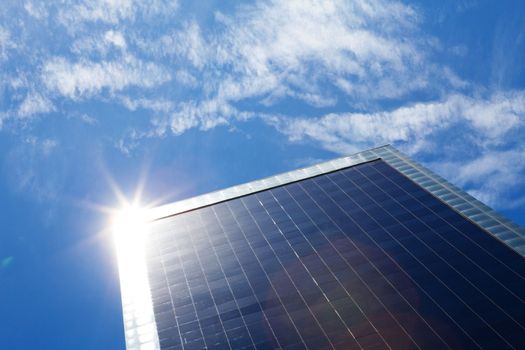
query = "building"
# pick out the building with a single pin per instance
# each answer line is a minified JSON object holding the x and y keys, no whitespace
{"x":369,"y":251}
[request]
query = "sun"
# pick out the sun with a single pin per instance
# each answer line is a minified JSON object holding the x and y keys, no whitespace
{"x":128,"y":228}
{"x":129,"y":220}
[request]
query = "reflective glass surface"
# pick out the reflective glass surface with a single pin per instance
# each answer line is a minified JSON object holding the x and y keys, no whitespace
{"x":359,"y":258}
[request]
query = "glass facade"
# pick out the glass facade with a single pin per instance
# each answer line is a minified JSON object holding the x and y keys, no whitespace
{"x":363,"y":257}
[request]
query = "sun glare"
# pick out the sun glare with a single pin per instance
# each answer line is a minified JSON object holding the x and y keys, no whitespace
{"x":130,"y":220}
{"x":128,"y":228}
{"x":129,"y":225}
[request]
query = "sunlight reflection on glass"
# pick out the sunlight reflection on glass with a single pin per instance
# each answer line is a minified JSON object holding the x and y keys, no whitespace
{"x":128,"y":228}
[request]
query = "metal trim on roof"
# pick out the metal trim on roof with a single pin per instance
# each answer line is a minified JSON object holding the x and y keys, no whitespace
{"x":471,"y":208}
{"x":259,"y":185}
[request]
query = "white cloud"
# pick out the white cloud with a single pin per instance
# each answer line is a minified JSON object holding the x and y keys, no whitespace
{"x":156,"y":105}
{"x":114,"y":11}
{"x":489,"y":164}
{"x":47,"y":146}
{"x":205,"y":115}
{"x":88,"y":119}
{"x":499,"y":114}
{"x":6,"y":43}
{"x":89,"y":44}
{"x":35,"y":103}
{"x":307,"y":50}
{"x":37,"y":10}
{"x":363,"y":48}
{"x":271,"y":50}
{"x":86,"y":78}
{"x":491,"y":176}
{"x":492,"y":118}
{"x":190,"y":44}
{"x":115,"y":38}
{"x":186,"y":44}
{"x":310,"y":51}
{"x":83,"y":117}
{"x":99,"y":43}
{"x":186,"y":78}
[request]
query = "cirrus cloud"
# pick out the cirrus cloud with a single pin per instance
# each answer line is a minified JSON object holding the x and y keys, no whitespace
{"x":86,"y":78}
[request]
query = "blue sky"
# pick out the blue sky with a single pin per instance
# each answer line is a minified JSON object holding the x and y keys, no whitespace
{"x":188,"y":97}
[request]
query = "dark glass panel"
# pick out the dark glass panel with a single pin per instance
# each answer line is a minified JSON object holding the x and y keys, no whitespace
{"x":356,"y":258}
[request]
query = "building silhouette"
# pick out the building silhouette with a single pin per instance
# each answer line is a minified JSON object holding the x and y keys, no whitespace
{"x":370,"y":251}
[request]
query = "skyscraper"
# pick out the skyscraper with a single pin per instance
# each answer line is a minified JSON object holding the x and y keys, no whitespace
{"x":369,"y":251}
